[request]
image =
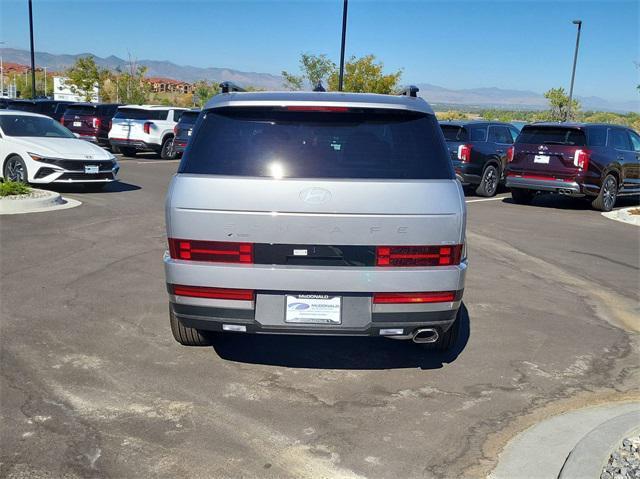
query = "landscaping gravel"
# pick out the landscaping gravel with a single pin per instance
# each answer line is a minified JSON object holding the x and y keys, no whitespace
{"x":624,"y":462}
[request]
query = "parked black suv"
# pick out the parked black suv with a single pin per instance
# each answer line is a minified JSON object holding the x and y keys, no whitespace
{"x":478,"y":150}
{"x":183,"y":130}
{"x":52,"y":108}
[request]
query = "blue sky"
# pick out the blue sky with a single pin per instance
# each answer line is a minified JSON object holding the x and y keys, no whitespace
{"x":513,"y":44}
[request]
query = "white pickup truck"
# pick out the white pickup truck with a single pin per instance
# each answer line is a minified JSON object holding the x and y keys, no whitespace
{"x":144,"y":128}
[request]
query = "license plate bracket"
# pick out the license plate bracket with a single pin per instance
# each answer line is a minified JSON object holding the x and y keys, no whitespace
{"x":91,"y":169}
{"x":313,"y":309}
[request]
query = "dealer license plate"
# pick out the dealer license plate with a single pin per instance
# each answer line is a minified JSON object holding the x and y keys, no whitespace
{"x":313,"y":309}
{"x":91,"y":169}
{"x":541,"y":159}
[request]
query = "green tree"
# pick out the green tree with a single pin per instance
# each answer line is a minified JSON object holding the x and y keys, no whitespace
{"x":204,"y":91}
{"x":84,"y":76}
{"x":559,"y":105}
{"x":365,"y":75}
{"x":362,"y":75}
{"x":315,"y":69}
{"x":131,"y":87}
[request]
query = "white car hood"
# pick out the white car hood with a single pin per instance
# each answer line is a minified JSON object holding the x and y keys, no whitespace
{"x":66,"y":148}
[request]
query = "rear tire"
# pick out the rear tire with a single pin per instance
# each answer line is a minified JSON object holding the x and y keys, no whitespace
{"x":489,"y":183}
{"x":167,"y":152}
{"x":448,"y":339}
{"x":188,"y":336}
{"x":606,"y":199}
{"x":522,"y":197}
{"x":130,"y":152}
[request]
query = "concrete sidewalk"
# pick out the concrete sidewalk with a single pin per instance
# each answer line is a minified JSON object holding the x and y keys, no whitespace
{"x":541,"y":451}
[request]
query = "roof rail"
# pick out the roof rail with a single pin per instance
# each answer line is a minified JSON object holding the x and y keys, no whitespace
{"x":411,"y":90}
{"x":228,"y":86}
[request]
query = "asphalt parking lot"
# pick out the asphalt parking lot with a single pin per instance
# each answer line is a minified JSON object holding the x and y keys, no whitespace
{"x":93,"y":384}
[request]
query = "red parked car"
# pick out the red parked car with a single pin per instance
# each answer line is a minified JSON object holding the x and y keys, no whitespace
{"x":598,"y":161}
{"x":90,"y":121}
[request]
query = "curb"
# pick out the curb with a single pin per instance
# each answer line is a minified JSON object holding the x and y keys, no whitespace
{"x":542,"y":450}
{"x":592,"y":452}
{"x":624,"y":216}
{"x":37,"y":201}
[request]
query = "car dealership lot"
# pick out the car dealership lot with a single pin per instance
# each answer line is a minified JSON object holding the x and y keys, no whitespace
{"x":93,"y":384}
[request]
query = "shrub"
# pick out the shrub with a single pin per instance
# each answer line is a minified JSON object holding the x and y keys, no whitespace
{"x":8,"y":188}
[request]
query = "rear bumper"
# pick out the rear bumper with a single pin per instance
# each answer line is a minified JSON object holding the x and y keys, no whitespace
{"x":138,"y":145}
{"x":354,"y":323}
{"x":467,"y":173}
{"x":570,"y":188}
{"x":355,"y":285}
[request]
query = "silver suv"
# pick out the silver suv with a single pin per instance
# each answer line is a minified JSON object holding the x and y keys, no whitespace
{"x":316,"y":213}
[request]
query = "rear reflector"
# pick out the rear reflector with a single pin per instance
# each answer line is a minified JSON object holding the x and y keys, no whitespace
{"x":397,"y":298}
{"x":317,"y":108}
{"x":418,"y":255}
{"x":215,"y":251}
{"x":212,"y":293}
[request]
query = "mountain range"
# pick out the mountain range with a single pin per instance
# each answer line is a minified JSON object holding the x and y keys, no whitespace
{"x":447,"y":97}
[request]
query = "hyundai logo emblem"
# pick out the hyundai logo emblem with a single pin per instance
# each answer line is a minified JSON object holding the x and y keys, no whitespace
{"x":315,"y":196}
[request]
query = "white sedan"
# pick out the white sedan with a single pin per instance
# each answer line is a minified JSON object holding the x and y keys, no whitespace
{"x":36,"y":149}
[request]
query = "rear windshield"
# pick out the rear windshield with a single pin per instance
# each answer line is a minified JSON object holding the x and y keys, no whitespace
{"x":279,"y":143}
{"x":189,"y":117}
{"x":140,"y":114}
{"x":454,"y":133}
{"x":552,"y":135}
{"x":23,"y":106}
{"x":87,"y":110}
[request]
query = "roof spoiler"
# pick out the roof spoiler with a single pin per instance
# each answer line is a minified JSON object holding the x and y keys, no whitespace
{"x":411,"y":90}
{"x":228,"y":86}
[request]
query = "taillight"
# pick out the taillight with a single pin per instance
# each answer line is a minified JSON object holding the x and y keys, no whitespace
{"x":147,"y":127}
{"x":212,"y":293}
{"x":581,"y":159}
{"x":96,"y":122}
{"x":464,"y":153}
{"x":110,"y":124}
{"x":510,"y":153}
{"x":431,"y":297}
{"x":62,"y":120}
{"x":216,"y":251}
{"x":418,"y":255}
{"x":175,"y":130}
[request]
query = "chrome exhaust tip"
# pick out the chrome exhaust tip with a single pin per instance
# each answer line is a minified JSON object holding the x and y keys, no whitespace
{"x":425,"y":335}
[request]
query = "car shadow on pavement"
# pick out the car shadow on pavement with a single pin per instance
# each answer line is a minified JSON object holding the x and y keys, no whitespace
{"x":113,"y":187}
{"x":568,"y":203}
{"x":337,"y":352}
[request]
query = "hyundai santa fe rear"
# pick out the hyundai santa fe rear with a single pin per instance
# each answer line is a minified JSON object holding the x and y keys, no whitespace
{"x":316,"y":213}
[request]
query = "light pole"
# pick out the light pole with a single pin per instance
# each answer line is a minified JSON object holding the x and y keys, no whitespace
{"x":344,"y":37}
{"x":573,"y":72}
{"x":33,"y":56}
{"x":1,"y":74}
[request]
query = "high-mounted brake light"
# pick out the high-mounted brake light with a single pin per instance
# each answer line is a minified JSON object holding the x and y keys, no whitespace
{"x":581,"y":159}
{"x":510,"y":152}
{"x":215,"y":251}
{"x":430,"y":297}
{"x":212,"y":293}
{"x":316,"y":108}
{"x":464,"y":153}
{"x":96,"y":122}
{"x":147,"y":126}
{"x":418,"y":255}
